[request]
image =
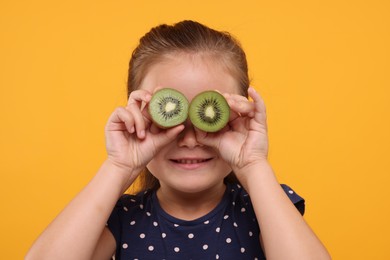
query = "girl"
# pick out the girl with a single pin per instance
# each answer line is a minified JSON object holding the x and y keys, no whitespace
{"x":202,"y":195}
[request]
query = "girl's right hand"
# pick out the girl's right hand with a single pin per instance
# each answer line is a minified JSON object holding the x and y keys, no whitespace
{"x":131,"y":138}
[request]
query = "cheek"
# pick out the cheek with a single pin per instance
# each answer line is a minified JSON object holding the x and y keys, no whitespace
{"x":158,"y":162}
{"x":225,"y":169}
{"x":153,"y":166}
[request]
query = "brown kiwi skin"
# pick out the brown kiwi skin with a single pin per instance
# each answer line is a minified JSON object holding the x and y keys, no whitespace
{"x":154,"y":107}
{"x":222,"y":109}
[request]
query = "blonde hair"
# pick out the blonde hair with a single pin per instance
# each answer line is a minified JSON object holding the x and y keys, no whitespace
{"x":188,"y":37}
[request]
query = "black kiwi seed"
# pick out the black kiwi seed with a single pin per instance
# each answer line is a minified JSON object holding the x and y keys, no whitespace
{"x":168,"y":107}
{"x":209,"y":111}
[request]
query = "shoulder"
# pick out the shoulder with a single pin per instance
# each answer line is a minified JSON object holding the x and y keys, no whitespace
{"x":127,"y":209}
{"x":130,"y":201}
{"x":130,"y":205}
{"x":240,"y":195}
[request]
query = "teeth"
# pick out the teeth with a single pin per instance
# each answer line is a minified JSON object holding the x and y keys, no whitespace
{"x":190,"y":161}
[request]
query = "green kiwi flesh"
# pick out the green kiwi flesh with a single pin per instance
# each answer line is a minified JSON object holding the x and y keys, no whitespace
{"x":209,"y":111}
{"x":168,"y":108}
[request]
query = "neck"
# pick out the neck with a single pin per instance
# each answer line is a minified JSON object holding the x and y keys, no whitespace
{"x":189,"y":206}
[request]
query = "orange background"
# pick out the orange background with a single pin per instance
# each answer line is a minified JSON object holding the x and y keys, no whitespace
{"x":321,"y":66}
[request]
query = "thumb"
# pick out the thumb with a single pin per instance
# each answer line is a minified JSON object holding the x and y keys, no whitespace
{"x":208,"y":139}
{"x":167,"y":136}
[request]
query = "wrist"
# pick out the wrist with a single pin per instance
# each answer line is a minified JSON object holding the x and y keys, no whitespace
{"x":123,"y":175}
{"x":253,"y":171}
{"x":256,"y":164}
{"x":117,"y":166}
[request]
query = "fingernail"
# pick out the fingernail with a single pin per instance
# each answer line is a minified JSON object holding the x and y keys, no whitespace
{"x":143,"y":105}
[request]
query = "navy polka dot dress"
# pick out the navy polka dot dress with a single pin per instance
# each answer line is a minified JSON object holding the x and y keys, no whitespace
{"x":143,"y":230}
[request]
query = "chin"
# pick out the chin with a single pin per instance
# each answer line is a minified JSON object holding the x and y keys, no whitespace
{"x":196,"y":186}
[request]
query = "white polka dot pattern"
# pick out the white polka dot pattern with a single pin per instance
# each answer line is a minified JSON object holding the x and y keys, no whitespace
{"x":230,"y":231}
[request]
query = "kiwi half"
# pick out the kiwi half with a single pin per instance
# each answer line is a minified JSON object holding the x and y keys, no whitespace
{"x":168,"y":107}
{"x":209,"y":111}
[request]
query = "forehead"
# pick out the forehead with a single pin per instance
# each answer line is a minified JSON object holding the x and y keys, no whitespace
{"x":190,"y":74}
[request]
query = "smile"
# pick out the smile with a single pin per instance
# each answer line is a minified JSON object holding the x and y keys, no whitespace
{"x":191,"y":161}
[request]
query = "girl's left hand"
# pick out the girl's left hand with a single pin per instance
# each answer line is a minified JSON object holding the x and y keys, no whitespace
{"x":245,"y":140}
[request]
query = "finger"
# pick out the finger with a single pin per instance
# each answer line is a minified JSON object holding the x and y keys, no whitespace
{"x":137,"y":102}
{"x":154,"y":129}
{"x":140,"y":98}
{"x":240,"y":105}
{"x":121,"y":120}
{"x":240,"y":124}
{"x":139,"y":120}
{"x":139,"y":95}
{"x":230,"y":101}
{"x":260,"y":109}
{"x":208,"y":139}
{"x":145,"y":113}
{"x":256,"y":98}
{"x":167,"y":136}
{"x":235,"y":96}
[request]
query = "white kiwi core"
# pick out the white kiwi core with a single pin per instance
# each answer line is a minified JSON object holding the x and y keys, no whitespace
{"x":170,"y":107}
{"x":209,"y":112}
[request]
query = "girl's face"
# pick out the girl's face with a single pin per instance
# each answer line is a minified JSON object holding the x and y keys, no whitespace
{"x":185,"y":165}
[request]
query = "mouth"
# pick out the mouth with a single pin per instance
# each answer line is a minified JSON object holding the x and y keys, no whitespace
{"x":190,"y":163}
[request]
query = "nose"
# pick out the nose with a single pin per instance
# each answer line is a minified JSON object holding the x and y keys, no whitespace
{"x":187,"y":137}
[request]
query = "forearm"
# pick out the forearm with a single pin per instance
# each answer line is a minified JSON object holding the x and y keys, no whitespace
{"x":284,"y":232}
{"x":76,"y":230}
